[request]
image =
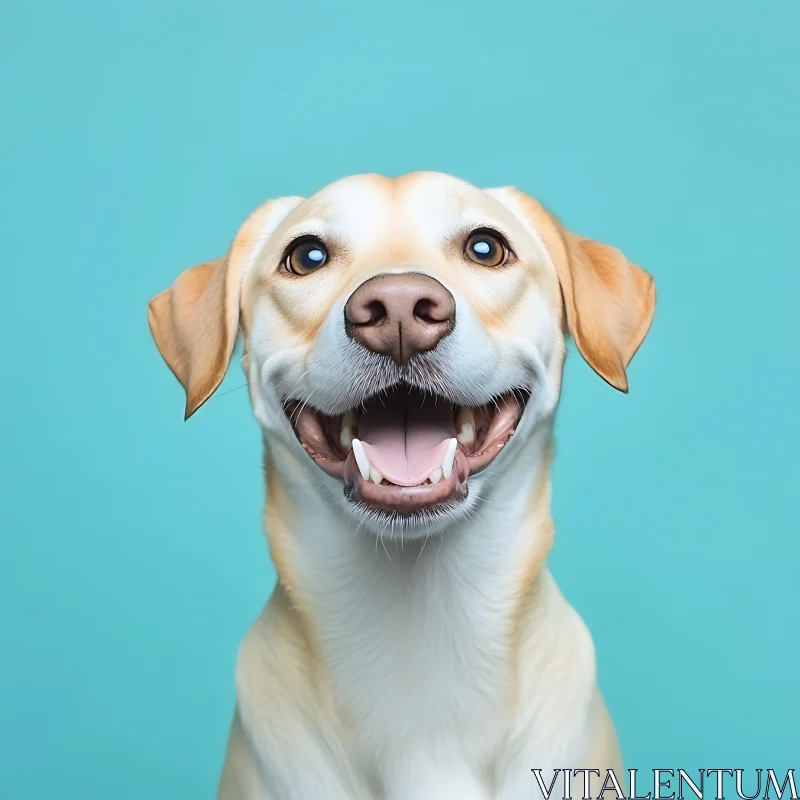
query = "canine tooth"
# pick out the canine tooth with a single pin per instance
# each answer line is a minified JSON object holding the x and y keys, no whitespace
{"x":465,"y":425}
{"x":466,"y":434}
{"x":435,"y":476}
{"x":349,"y":430}
{"x":361,"y":459}
{"x":465,"y":416}
{"x":351,"y":420}
{"x":346,"y":437}
{"x":449,"y":457}
{"x":375,"y":476}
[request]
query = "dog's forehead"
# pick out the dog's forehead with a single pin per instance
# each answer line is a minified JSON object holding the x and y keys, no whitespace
{"x":426,"y":204}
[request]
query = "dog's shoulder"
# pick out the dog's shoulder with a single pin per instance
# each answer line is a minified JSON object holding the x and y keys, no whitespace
{"x":275,"y":659}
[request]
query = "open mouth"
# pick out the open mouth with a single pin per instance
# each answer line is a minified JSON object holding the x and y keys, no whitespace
{"x":403,"y":451}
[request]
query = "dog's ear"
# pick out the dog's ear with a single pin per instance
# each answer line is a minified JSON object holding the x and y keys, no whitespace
{"x":609,"y":301}
{"x":195,"y":322}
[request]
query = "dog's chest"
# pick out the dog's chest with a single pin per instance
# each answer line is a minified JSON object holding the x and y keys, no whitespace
{"x":420,"y":656}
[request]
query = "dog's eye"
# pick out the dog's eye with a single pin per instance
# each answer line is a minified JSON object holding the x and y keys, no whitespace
{"x":306,"y":256}
{"x":486,"y":249}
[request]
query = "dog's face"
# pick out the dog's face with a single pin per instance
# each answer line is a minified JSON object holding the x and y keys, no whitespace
{"x":397,"y":332}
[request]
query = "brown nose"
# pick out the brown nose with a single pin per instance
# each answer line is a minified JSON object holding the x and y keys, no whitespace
{"x":400,"y":315}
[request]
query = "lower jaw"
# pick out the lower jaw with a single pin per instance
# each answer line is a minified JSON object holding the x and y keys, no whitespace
{"x":406,"y":501}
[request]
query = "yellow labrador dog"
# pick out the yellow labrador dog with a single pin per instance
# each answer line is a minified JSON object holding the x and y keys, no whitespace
{"x":404,"y":340}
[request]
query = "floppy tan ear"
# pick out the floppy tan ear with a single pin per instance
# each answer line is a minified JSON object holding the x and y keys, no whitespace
{"x":609,"y":301}
{"x":195,"y":322}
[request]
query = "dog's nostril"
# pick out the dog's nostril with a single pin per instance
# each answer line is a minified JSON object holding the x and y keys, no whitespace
{"x":428,"y":311}
{"x":376,"y":311}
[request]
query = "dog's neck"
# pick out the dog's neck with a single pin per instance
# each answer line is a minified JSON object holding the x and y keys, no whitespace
{"x":369,"y":605}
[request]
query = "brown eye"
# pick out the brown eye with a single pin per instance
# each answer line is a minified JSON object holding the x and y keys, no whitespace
{"x":486,"y":249}
{"x":306,"y":257}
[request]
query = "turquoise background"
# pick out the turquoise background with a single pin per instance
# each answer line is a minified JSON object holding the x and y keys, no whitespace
{"x":137,"y":136}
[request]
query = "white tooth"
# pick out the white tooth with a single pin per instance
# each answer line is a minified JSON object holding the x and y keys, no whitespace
{"x":361,"y":459}
{"x":465,"y":425}
{"x":466,"y":434}
{"x":346,"y":437}
{"x":435,"y":476}
{"x":349,"y":430}
{"x":375,"y":476}
{"x":465,"y":416}
{"x":351,"y":420}
{"x":449,"y":457}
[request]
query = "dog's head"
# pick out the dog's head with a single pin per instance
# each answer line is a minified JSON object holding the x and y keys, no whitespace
{"x":401,"y":330}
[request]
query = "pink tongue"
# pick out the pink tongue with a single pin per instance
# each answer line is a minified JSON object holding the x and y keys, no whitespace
{"x":406,"y":440}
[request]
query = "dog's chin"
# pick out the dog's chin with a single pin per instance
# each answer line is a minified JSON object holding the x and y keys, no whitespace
{"x":405,"y":458}
{"x":419,"y":526}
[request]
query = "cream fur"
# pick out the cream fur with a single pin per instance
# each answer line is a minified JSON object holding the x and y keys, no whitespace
{"x":432,"y":663}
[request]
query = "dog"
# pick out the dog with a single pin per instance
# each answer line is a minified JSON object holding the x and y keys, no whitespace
{"x":404,"y":341}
